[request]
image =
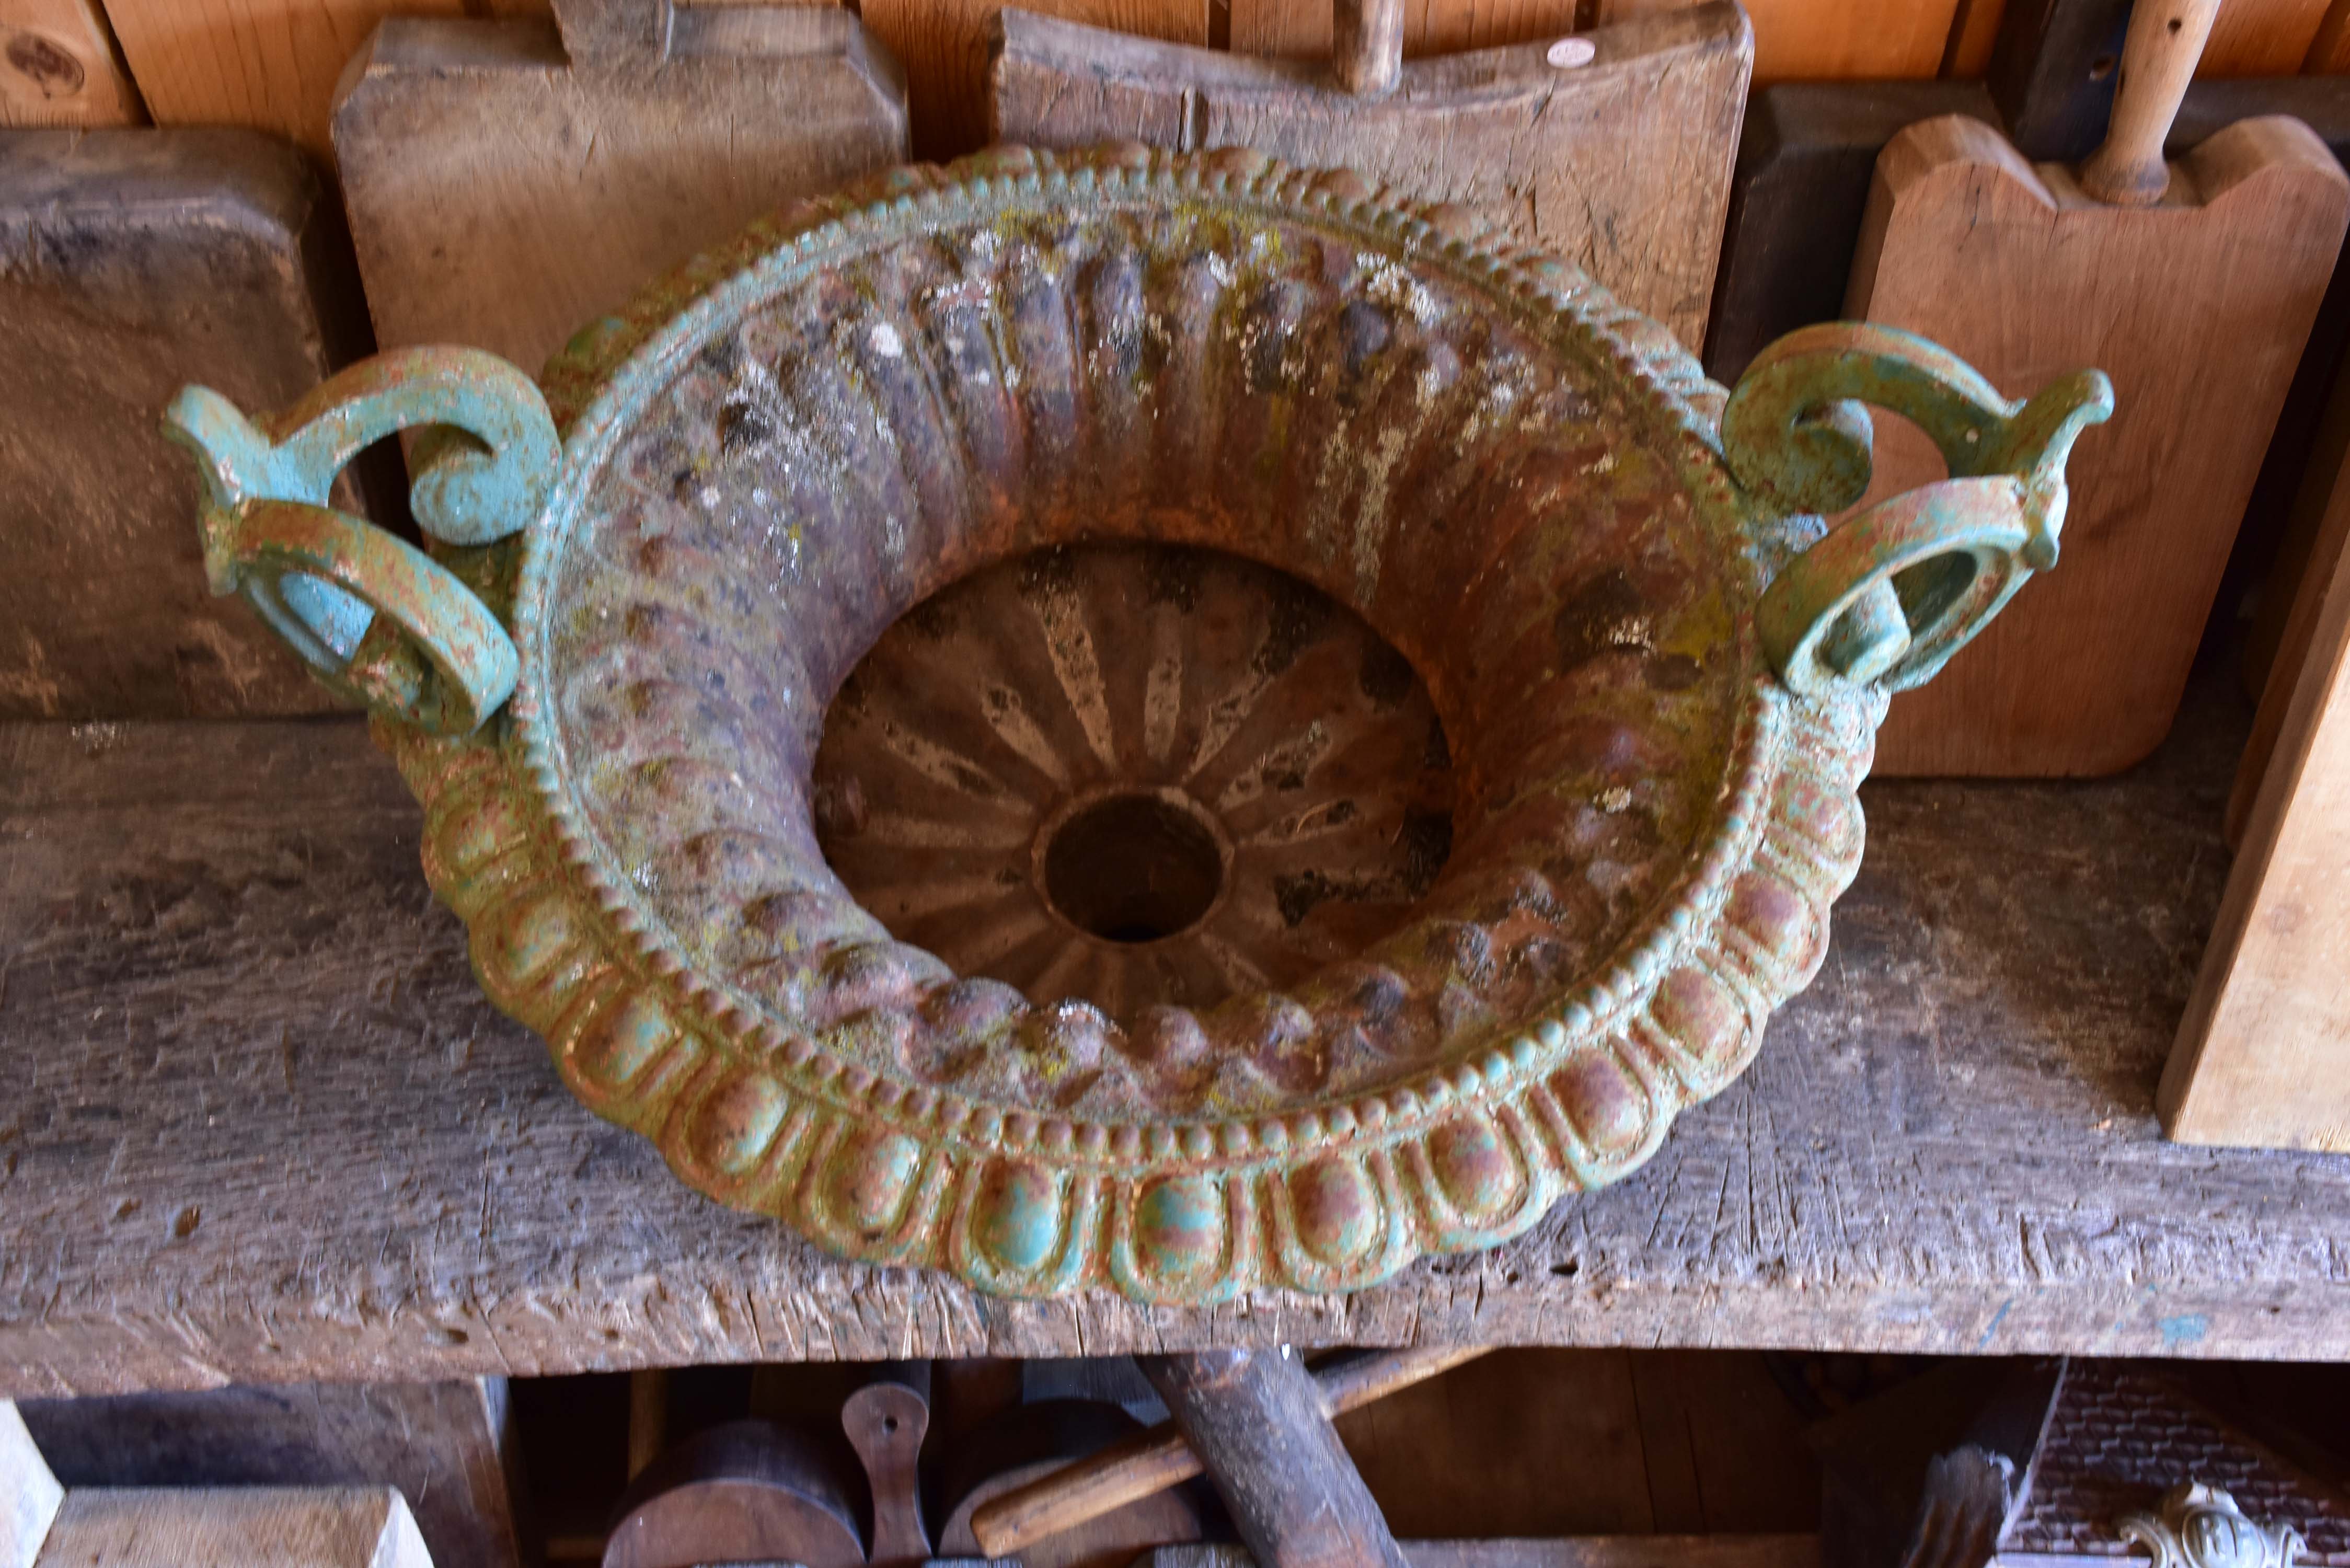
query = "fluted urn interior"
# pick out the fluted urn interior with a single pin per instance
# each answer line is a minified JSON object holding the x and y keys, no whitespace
{"x":1137,"y":774}
{"x":1146,"y":659}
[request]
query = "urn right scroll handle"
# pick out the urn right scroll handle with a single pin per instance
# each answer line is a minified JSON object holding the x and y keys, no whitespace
{"x":1893,"y":591}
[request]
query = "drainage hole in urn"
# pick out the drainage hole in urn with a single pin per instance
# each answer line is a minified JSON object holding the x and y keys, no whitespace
{"x":1133,"y":868}
{"x":1136,"y":775}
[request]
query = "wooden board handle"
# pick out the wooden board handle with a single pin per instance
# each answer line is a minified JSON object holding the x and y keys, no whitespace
{"x":2165,"y":40}
{"x":1367,"y":46}
{"x":1154,"y":1461}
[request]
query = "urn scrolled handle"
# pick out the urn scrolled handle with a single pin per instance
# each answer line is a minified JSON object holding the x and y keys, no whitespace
{"x":1893,"y":591}
{"x":375,"y":617}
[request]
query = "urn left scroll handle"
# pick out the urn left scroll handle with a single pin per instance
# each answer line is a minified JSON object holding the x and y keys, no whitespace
{"x":375,"y":617}
{"x":1892,"y":592}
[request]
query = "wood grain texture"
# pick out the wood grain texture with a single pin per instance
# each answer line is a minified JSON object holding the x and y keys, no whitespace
{"x":885,"y":1422}
{"x":2316,"y":548}
{"x":2053,"y":69}
{"x":445,"y":1445}
{"x":1808,"y":156}
{"x":1265,"y":1438}
{"x":1974,"y":32}
{"x":2199,"y":309}
{"x":2165,"y":41}
{"x":746,"y":1491}
{"x":1521,"y":1443}
{"x":1109,"y":1538}
{"x":944,"y":47}
{"x":1805,"y":161}
{"x":1556,"y":1551}
{"x":1151,"y":1462}
{"x":270,"y":65}
{"x":1622,"y":164}
{"x":264,"y":1127}
{"x":1725,"y":1452}
{"x":138,"y":261}
{"x":230,"y":1527}
{"x":1812,"y":40}
{"x":59,"y":67}
{"x":1300,"y":29}
{"x":501,"y":199}
{"x":2261,"y":38}
{"x":2263,"y":1053}
{"x":2329,"y":49}
{"x":29,"y":1494}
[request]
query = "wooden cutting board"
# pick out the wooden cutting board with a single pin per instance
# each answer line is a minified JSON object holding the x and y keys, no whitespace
{"x":2194,"y":291}
{"x":507,"y":184}
{"x":1611,"y":148}
{"x":2262,"y":1057}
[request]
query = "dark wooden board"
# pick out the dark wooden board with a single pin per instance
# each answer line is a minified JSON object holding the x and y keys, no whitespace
{"x":262,"y":1126}
{"x":131,"y":261}
{"x":441,"y":1444}
{"x":1805,"y":160}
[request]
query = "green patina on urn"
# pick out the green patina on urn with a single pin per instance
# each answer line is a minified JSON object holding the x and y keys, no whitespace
{"x":1159,"y":722}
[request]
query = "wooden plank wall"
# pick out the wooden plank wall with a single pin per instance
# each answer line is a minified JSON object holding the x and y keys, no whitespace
{"x":275,"y":63}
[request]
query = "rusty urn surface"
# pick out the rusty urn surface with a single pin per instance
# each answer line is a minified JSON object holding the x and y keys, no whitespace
{"x":1165,"y":723}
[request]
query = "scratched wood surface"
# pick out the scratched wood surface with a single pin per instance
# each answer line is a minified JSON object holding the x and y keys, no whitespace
{"x":1300,"y":29}
{"x":260,"y":1126}
{"x":942,"y":44}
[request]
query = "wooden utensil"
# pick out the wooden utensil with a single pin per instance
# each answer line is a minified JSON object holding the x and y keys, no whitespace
{"x":505,"y":183}
{"x":1611,"y":148}
{"x":2194,"y":284}
{"x":2262,"y":1057}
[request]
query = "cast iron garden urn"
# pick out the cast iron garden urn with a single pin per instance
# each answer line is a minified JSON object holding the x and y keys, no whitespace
{"x":1124,"y":719}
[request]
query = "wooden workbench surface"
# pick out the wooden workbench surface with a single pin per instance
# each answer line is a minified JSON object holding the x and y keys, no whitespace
{"x":257,"y":1124}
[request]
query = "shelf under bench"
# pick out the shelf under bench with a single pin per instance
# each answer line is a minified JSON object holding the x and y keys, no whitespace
{"x":259,"y":1126}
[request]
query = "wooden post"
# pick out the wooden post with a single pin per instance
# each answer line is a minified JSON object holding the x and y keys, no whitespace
{"x":1258,"y":1424}
{"x":1367,"y":52}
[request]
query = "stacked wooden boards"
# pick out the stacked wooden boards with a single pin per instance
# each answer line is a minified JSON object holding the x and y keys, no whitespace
{"x":1612,"y":149}
{"x":2194,"y":285}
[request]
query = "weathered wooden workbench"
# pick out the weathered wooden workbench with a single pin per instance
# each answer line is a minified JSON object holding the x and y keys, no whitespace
{"x":257,"y":1125}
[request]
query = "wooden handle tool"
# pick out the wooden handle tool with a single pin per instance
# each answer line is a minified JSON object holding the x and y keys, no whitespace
{"x":2165,"y":39}
{"x":1154,"y":1461}
{"x":1367,"y":46}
